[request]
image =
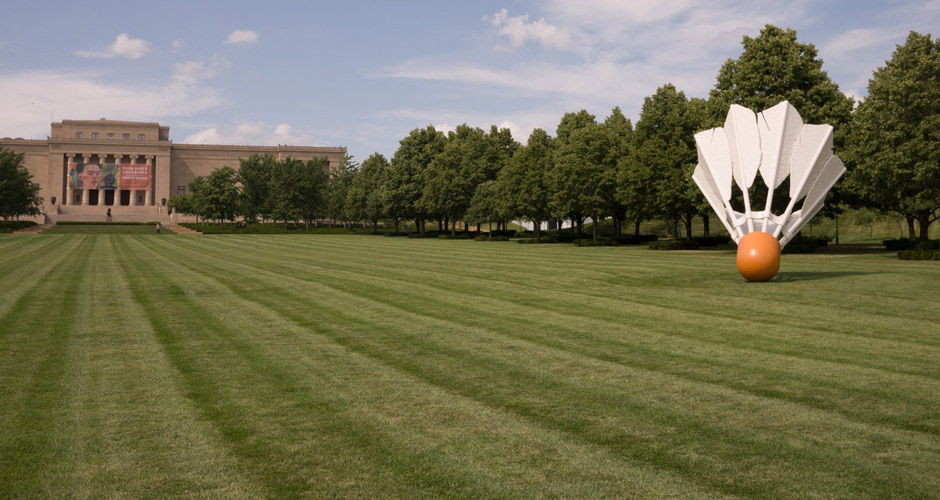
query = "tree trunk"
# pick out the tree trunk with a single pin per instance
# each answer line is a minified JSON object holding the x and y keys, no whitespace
{"x":910,"y":226}
{"x":636,"y":227}
{"x":594,"y":227}
{"x":453,"y":228}
{"x":537,"y":224}
{"x":705,"y":221}
{"x":688,"y":228}
{"x":924,"y":220}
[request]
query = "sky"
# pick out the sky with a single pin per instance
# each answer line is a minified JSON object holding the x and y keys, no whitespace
{"x":363,"y":74}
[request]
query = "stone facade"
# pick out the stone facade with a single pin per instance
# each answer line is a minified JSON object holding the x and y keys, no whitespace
{"x":172,"y":166}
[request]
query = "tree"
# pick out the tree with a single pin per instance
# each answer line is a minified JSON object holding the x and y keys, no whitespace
{"x":893,"y":145}
{"x":618,"y":134}
{"x":774,"y":67}
{"x":255,"y":176}
{"x":407,"y":174}
{"x":486,"y":206}
{"x":571,"y":197}
{"x":524,"y":185}
{"x":314,"y":189}
{"x":364,"y":199}
{"x":340,"y":180}
{"x":453,"y":174}
{"x":217,"y":195}
{"x":867,"y":217}
{"x":18,"y":194}
{"x":666,"y":155}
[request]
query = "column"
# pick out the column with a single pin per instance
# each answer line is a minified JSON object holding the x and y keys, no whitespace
{"x":116,"y":199}
{"x":101,"y":159}
{"x":69,"y":192}
{"x":151,"y":161}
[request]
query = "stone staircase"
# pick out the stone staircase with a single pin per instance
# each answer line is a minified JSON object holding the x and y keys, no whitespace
{"x":94,"y":213}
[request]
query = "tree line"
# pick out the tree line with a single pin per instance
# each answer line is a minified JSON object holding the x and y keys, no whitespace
{"x":600,"y":169}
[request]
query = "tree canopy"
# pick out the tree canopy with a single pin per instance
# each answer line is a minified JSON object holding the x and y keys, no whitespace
{"x":19,"y":196}
{"x":893,"y":146}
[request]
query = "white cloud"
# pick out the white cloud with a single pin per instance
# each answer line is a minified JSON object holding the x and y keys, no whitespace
{"x":242,"y":36}
{"x":252,"y":133}
{"x":123,"y":46}
{"x":856,"y":40}
{"x":177,"y":44}
{"x":619,"y":52}
{"x":520,"y":30}
{"x":191,"y":71}
{"x":30,"y":100}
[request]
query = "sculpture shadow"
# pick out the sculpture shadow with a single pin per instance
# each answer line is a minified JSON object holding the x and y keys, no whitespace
{"x":796,"y":276}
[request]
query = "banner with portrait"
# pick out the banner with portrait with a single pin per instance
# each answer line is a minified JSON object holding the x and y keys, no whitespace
{"x":109,"y":176}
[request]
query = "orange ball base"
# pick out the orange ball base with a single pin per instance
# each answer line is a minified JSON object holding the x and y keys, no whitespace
{"x":758,"y":256}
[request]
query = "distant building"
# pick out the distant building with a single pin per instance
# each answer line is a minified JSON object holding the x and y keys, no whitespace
{"x":87,"y":166}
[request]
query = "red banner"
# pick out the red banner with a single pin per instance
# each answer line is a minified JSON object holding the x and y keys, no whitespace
{"x":135,"y":176}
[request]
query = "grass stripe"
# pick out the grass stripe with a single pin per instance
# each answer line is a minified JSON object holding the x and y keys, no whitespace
{"x":424,"y":352}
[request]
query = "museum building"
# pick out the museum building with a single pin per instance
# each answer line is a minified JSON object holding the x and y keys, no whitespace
{"x":132,"y":168}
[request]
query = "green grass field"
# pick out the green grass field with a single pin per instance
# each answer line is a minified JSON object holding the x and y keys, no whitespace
{"x":337,"y":366}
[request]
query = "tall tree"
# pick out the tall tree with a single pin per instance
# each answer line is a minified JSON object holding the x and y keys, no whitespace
{"x":364,"y":199}
{"x":666,"y":154}
{"x":255,"y":176}
{"x":573,"y":158}
{"x":407,"y":174}
{"x":341,"y":179}
{"x":18,"y":194}
{"x":618,"y":134}
{"x":486,"y":206}
{"x":454,"y":173}
{"x":893,"y":146}
{"x":775,"y":67}
{"x":218,"y":195}
{"x":525,"y":183}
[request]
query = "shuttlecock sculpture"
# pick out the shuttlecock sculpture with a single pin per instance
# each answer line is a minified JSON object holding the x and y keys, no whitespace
{"x":777,"y":144}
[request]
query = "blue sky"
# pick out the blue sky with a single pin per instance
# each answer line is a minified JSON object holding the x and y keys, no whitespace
{"x":363,"y":74}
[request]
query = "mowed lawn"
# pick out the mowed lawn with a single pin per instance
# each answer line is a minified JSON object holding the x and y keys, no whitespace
{"x":335,"y":366}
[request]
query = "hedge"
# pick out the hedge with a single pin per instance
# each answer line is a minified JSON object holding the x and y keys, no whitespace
{"x":673,"y":245}
{"x":712,"y":241}
{"x":601,"y":242}
{"x":14,"y":225}
{"x":919,"y":255}
{"x":96,"y":223}
{"x":907,"y":244}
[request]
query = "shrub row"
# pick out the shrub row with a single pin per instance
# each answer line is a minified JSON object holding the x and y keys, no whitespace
{"x":549,"y":238}
{"x":601,"y":242}
{"x":458,"y":236}
{"x":919,"y":255}
{"x":240,"y":228}
{"x":673,"y":245}
{"x":806,"y":244}
{"x":14,"y":225}
{"x":711,"y":241}
{"x":907,"y":244}
{"x":96,"y":223}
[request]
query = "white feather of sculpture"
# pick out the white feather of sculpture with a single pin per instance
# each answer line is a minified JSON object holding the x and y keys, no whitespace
{"x":777,"y":144}
{"x":744,"y":141}
{"x":779,"y":128}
